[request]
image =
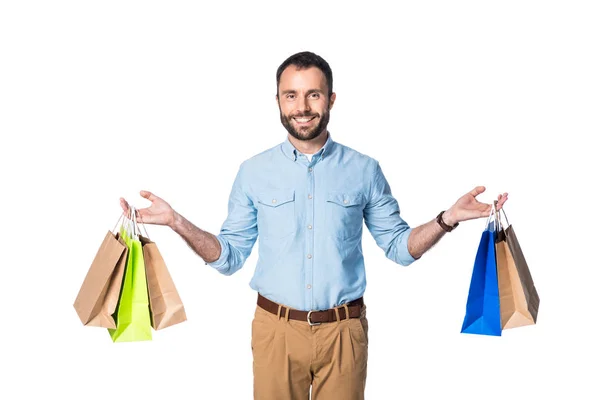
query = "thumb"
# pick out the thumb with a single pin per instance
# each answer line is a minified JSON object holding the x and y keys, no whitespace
{"x":477,"y":191}
{"x":148,"y":195}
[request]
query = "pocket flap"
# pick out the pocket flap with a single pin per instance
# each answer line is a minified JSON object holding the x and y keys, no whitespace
{"x":276,"y":197}
{"x":345,"y":199}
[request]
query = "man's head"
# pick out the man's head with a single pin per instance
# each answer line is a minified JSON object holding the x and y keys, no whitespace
{"x":305,"y":95}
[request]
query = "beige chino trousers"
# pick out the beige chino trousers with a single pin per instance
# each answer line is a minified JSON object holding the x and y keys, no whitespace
{"x":289,"y":356}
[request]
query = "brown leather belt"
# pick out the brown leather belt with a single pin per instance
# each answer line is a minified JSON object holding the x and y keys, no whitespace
{"x":312,"y":317}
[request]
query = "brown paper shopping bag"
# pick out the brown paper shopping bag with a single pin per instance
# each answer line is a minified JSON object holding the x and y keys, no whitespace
{"x":166,"y":307}
{"x":519,"y":301}
{"x":99,"y":293}
{"x":531,"y":295}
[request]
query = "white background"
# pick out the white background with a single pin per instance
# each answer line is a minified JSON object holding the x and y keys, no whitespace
{"x":102,"y":99}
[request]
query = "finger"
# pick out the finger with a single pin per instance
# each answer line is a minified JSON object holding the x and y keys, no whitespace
{"x":502,"y":200}
{"x":147,"y":195}
{"x":477,"y":191}
{"x":142,"y":214}
{"x":483,"y":212}
{"x":124,"y":205}
{"x":138,"y":216}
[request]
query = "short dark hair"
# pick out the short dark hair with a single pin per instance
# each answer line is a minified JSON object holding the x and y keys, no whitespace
{"x":304,"y":60}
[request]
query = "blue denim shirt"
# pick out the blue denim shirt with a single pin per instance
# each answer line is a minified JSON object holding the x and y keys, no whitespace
{"x":308,"y":219}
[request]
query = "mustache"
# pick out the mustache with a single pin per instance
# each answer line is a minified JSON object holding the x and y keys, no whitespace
{"x":304,"y":115}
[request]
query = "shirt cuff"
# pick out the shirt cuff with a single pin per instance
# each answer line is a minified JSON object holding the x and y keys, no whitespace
{"x":220,"y":263}
{"x":404,"y":256}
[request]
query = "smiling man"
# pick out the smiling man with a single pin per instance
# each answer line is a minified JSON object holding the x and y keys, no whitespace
{"x":306,"y":199}
{"x":304,"y":99}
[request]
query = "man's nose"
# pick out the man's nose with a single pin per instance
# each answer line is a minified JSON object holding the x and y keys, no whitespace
{"x":303,"y":105}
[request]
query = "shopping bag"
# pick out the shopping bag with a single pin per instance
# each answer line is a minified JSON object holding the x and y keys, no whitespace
{"x":519,"y":300}
{"x":99,"y":293}
{"x":133,"y":315}
{"x":482,"y":314}
{"x":166,"y":307}
{"x":105,"y":319}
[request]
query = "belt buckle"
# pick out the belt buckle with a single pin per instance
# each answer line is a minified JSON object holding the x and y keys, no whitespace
{"x":309,"y":321}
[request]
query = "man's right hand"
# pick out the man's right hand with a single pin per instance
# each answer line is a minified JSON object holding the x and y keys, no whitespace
{"x":159,"y":212}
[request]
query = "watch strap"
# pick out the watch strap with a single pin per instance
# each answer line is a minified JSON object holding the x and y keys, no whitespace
{"x":445,"y":226}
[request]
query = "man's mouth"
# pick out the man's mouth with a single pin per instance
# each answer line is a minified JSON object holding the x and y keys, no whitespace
{"x":303,"y":120}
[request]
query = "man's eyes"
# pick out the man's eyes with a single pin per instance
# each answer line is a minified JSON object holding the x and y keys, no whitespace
{"x":290,"y":96}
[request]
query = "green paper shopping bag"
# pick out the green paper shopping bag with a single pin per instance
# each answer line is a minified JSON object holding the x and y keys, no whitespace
{"x":133,"y":314}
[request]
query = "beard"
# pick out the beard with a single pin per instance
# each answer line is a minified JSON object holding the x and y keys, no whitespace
{"x":305,"y":133}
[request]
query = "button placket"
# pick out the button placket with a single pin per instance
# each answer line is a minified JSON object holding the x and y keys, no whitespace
{"x":309,"y":234}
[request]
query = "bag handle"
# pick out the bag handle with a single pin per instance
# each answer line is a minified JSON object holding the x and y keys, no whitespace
{"x":499,"y":216}
{"x":137,"y":225}
{"x":117,"y":224}
{"x":505,"y":217}
{"x":136,"y":228}
{"x":143,"y":226}
{"x":129,"y":227}
{"x":497,"y":221}
{"x":489,"y":218}
{"x":129,"y":221}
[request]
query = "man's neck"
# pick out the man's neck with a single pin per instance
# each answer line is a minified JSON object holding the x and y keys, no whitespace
{"x":309,"y":146}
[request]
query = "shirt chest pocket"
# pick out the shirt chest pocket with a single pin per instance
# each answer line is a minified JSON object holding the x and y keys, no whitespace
{"x":276,"y":216}
{"x":344,"y":213}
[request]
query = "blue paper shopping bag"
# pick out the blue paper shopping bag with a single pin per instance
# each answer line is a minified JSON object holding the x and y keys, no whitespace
{"x":483,"y":303}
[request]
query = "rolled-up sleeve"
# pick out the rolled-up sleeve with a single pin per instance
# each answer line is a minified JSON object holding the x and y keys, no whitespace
{"x":382,"y":218}
{"x":239,"y":232}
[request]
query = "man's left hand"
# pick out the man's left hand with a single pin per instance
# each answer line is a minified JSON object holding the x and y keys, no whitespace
{"x":468,"y":207}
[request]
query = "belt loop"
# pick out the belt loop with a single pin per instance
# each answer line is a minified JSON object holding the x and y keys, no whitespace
{"x":337,"y":314}
{"x":287,"y":314}
{"x":278,"y":312}
{"x":347,"y":311}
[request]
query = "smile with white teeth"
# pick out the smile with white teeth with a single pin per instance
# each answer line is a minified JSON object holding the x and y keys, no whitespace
{"x":303,"y":120}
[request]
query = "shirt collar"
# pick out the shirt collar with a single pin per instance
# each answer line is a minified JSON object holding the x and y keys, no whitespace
{"x":292,"y":153}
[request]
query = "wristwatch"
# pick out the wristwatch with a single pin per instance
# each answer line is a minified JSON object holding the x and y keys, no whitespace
{"x":445,"y":226}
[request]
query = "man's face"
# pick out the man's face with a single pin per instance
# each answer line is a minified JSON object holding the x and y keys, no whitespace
{"x":304,"y":102}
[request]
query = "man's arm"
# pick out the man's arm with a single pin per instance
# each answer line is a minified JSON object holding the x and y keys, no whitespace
{"x":382,"y":218}
{"x":403,"y":244}
{"x":227,"y":251}
{"x":205,"y":244}
{"x":424,"y":237}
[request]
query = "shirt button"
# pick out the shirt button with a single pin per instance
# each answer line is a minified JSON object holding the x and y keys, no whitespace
{"x":309,"y":256}
{"x":310,"y":227}
{"x":308,"y":286}
{"x":310,"y":169}
{"x":345,"y":201}
{"x":274,"y":201}
{"x":310,"y":196}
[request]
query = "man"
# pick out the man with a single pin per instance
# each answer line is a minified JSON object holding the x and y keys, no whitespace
{"x":306,"y":199}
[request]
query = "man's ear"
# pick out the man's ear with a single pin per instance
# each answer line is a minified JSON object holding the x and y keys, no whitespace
{"x":331,"y":100}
